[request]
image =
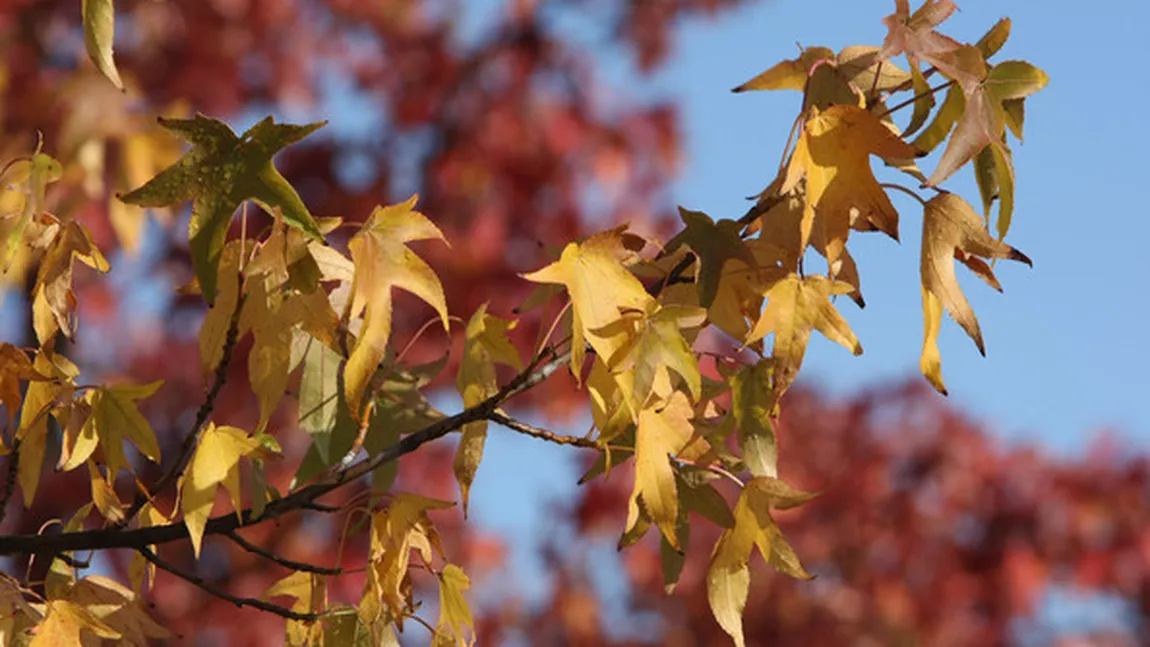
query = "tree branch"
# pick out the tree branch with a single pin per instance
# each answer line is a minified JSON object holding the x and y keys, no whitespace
{"x":198,"y":581}
{"x":544,"y":364}
{"x":189,"y":445}
{"x":279,"y":559}
{"x":542,"y":434}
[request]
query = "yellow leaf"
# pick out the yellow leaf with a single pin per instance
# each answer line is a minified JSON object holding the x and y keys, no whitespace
{"x":139,"y":568}
{"x":657,"y":348}
{"x":15,"y":367}
{"x":115,"y":417}
{"x":727,"y":587}
{"x":601,"y":289}
{"x":861,"y":64}
{"x":781,"y":227}
{"x":950,"y":229}
{"x":39,"y":400}
{"x":453,"y":610}
{"x":119,"y":609}
{"x":795,"y":306}
{"x":104,"y":495}
{"x":215,"y":462}
{"x":485,"y":344}
{"x":833,"y":155}
{"x":661,"y":434}
{"x":309,"y":594}
{"x":788,"y":75}
{"x":63,"y":623}
{"x":32,"y":176}
{"x":214,"y":330}
{"x":383,"y":261}
{"x":53,"y":301}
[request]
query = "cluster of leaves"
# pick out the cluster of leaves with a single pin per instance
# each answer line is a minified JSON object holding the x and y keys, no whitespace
{"x":629,"y":332}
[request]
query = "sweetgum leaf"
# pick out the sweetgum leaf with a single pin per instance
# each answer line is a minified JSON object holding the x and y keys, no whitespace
{"x":220,"y":172}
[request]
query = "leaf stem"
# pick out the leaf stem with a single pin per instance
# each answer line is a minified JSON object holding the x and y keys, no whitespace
{"x":916,"y":97}
{"x":899,"y":187}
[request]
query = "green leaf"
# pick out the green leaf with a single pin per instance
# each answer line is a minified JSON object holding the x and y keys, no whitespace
{"x":220,"y":172}
{"x":752,"y":406}
{"x":99,"y":30}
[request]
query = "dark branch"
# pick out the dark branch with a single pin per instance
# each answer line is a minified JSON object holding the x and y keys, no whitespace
{"x":198,"y":581}
{"x":279,"y":559}
{"x":10,"y":480}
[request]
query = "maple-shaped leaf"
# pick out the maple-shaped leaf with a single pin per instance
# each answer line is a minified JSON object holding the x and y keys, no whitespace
{"x":99,"y":32}
{"x":396,"y":531}
{"x":52,"y":299}
{"x":914,"y":35}
{"x":119,"y":608}
{"x":866,"y":71}
{"x":454,"y":613}
{"x":781,"y":226}
{"x":713,"y":244}
{"x":739,"y":296}
{"x":601,"y":289}
{"x":64,"y":624}
{"x":833,"y":155}
{"x":728,"y":578}
{"x":952,"y":230}
{"x":272,"y":317}
{"x":796,"y":306}
{"x":661,"y":433}
{"x":216,"y":462}
{"x":485,"y":344}
{"x":657,"y":348}
{"x":984,"y":113}
{"x":114,"y":418}
{"x":308,"y":592}
{"x":221,"y":171}
{"x":383,"y":261}
{"x":41,"y":399}
{"x":32,"y":176}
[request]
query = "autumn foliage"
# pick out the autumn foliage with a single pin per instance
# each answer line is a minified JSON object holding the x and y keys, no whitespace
{"x":275,"y":428}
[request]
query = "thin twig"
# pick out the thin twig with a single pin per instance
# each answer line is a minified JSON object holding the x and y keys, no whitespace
{"x":279,"y":559}
{"x":916,"y":97}
{"x":542,"y":434}
{"x":220,"y":377}
{"x":198,"y":581}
